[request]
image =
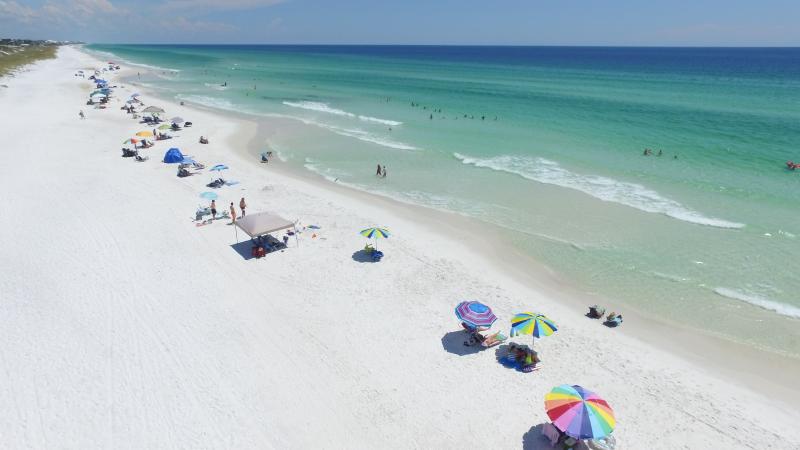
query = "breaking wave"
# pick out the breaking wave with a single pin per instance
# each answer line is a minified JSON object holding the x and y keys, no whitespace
{"x":325,"y":108}
{"x":356,"y":133}
{"x":211,"y":102}
{"x":765,"y":303}
{"x":603,"y":188}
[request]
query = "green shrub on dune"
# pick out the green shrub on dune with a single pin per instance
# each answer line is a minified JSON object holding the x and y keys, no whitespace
{"x":15,"y":56}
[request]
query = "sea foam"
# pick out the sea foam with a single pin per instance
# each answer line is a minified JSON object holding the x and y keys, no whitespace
{"x":325,"y":108}
{"x":211,"y":102}
{"x":600,"y":187}
{"x":354,"y":133}
{"x":765,"y":303}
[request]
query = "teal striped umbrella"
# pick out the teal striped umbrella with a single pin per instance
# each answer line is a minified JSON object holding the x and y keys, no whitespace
{"x":375,"y":233}
{"x":535,"y":324}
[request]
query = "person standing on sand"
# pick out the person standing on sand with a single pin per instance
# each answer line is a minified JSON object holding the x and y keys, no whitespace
{"x":213,"y":209}
{"x":233,"y":213}
{"x":82,"y":116}
{"x":242,"y":206}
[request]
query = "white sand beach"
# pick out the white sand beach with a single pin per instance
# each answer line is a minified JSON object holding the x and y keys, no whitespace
{"x":125,"y":325}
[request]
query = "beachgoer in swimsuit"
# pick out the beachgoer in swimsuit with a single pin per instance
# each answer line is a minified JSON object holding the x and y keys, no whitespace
{"x":242,"y":206}
{"x":213,"y":209}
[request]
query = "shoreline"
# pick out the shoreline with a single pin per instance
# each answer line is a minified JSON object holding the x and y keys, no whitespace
{"x":752,"y":366}
{"x":327,"y":387}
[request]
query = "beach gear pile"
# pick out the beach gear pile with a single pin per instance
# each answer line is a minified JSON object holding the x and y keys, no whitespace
{"x":579,"y":416}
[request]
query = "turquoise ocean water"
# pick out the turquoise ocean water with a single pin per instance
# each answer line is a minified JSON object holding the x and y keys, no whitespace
{"x":546,"y":144}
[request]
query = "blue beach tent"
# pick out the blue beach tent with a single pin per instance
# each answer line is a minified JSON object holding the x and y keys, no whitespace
{"x":172,"y":156}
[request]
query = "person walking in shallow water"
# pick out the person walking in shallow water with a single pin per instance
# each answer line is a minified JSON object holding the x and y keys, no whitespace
{"x":384,"y":172}
{"x":378,"y":173}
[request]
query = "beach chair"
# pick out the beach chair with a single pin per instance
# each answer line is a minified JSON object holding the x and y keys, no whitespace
{"x":201,"y":211}
{"x":216,"y":184}
{"x":606,"y":443}
{"x":523,"y":358}
{"x":552,"y":434}
{"x":493,"y":340}
{"x":474,"y":338}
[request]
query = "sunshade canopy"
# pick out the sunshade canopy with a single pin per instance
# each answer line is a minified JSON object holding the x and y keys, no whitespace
{"x":578,"y":412}
{"x":173,"y":156}
{"x":475,"y":314}
{"x":262,"y":223}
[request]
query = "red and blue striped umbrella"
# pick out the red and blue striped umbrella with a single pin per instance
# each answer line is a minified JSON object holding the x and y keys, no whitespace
{"x":475,"y":314}
{"x":579,"y":413}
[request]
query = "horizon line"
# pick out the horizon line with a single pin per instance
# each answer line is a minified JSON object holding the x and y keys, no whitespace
{"x":455,"y":45}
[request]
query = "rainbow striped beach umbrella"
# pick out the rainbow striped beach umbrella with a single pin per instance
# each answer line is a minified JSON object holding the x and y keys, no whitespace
{"x":475,"y":314}
{"x":579,"y":413}
{"x":534,"y":324}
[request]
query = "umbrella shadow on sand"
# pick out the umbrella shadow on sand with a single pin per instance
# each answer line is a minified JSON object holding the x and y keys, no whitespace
{"x":501,"y":353}
{"x":453,"y":342}
{"x":533,"y":439}
{"x":363,"y":256}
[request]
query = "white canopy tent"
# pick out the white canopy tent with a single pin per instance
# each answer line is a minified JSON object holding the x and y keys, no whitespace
{"x":263,"y":223}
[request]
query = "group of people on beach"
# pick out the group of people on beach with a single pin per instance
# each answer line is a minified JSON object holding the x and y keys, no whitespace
{"x":242,"y":208}
{"x":612,"y":319}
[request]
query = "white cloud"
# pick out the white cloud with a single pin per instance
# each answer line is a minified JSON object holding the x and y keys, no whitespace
{"x":58,"y":11}
{"x":15,"y":11}
{"x":184,"y":24}
{"x":200,"y":5}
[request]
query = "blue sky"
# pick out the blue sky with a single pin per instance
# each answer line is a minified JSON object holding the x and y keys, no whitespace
{"x":513,"y":22}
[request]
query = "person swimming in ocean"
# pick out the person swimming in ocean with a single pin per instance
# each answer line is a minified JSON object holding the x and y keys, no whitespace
{"x":660,"y":152}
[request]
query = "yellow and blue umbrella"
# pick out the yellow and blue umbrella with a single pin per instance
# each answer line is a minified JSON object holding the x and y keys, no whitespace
{"x":375,"y":233}
{"x":535,"y":324}
{"x":579,"y":412}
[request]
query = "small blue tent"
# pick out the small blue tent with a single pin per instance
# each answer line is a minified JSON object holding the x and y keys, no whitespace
{"x":172,"y":156}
